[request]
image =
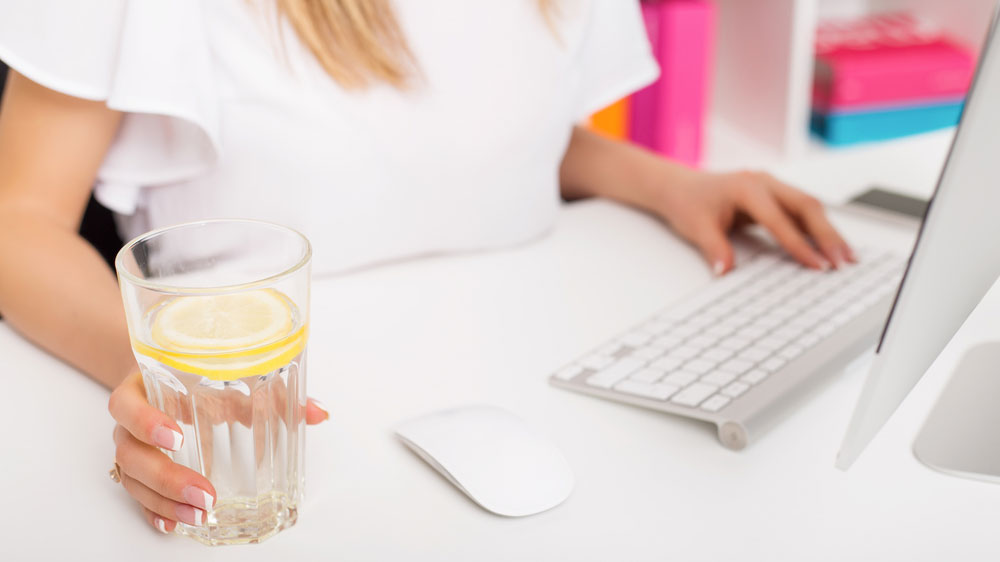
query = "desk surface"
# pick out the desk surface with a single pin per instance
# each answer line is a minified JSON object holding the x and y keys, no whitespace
{"x":406,"y":339}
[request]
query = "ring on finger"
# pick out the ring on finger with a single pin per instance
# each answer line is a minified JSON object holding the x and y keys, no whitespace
{"x":115,"y":473}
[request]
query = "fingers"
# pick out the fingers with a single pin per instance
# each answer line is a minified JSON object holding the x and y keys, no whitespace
{"x":162,"y":508}
{"x":316,"y":412}
{"x":711,"y":239}
{"x":159,"y":523}
{"x":812,"y":216}
{"x":155,"y":471}
{"x":763,"y":207}
{"x":129,"y":407}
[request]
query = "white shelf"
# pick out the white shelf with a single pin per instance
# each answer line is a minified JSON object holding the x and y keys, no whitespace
{"x":764,"y":60}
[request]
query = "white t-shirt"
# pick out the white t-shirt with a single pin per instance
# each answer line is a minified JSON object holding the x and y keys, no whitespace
{"x":228,"y":115}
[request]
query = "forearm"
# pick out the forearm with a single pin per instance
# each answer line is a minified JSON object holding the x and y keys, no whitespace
{"x":57,"y":291}
{"x":596,"y":166}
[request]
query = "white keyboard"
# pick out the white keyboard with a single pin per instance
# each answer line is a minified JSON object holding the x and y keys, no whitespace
{"x":738,"y":352}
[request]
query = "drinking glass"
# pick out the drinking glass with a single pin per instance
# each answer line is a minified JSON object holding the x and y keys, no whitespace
{"x":218,"y":315}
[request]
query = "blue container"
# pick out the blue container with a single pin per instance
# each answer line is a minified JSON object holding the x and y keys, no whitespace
{"x":840,"y":128}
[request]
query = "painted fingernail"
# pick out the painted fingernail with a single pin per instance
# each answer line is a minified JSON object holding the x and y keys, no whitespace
{"x":321,"y":406}
{"x":190,"y":515}
{"x":198,"y":497}
{"x":161,"y":525}
{"x":167,"y":438}
{"x":718,"y":267}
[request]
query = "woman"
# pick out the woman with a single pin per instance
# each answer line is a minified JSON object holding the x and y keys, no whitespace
{"x":382,"y":132}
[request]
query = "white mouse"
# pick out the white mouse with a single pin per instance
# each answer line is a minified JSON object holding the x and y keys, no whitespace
{"x":500,"y":462}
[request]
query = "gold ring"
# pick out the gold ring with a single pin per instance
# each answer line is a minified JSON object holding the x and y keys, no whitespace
{"x":115,"y":473}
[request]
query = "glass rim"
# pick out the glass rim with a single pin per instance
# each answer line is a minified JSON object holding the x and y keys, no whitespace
{"x":124,"y":274}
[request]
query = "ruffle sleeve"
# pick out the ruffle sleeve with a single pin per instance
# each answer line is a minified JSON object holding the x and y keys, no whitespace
{"x":151,"y":60}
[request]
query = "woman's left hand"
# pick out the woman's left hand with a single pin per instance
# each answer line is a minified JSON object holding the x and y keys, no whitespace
{"x":706,"y":207}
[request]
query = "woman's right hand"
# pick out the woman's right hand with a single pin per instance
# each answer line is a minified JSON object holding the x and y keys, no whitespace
{"x":167,"y":491}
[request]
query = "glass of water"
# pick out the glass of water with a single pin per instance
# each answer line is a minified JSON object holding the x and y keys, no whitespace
{"x":218,"y":314}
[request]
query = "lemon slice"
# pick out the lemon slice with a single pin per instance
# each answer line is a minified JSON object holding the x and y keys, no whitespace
{"x":225,"y":337}
{"x":222,"y":322}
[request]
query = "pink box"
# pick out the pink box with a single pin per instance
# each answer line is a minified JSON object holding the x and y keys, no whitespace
{"x":669,"y":115}
{"x":887,"y":60}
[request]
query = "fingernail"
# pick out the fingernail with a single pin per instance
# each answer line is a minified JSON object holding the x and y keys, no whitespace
{"x":321,"y":406}
{"x":167,"y":438}
{"x":190,"y":515}
{"x":837,"y":258}
{"x":718,"y":268}
{"x":824,"y":265}
{"x":198,"y":497}
{"x":161,"y":525}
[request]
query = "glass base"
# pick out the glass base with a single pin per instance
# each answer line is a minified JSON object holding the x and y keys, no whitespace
{"x":243,"y":522}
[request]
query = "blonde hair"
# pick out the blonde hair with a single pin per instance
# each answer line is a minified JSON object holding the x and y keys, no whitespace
{"x":359,"y":42}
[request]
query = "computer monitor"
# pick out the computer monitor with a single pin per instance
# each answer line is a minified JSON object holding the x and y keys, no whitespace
{"x":955,"y":261}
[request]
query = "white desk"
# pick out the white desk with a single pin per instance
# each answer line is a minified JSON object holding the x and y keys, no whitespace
{"x":406,"y":339}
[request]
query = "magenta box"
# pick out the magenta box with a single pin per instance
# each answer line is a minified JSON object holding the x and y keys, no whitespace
{"x":669,"y":115}
{"x":887,"y":60}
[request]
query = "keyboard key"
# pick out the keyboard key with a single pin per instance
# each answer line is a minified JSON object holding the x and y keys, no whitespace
{"x":790,"y":352}
{"x":699,"y":366}
{"x":639,"y":388}
{"x":701,"y":341}
{"x":610,"y":349}
{"x":684,"y":331}
{"x":871,"y":299}
{"x":662,"y":391}
{"x":636,"y":339}
{"x":720,"y":308}
{"x":736,"y":389}
{"x":736,"y":366}
{"x":715,"y":403}
{"x":647,"y":353}
{"x":718,"y":378}
{"x":784,"y":312}
{"x":772,"y":364}
{"x":737,"y":320}
{"x":680,"y":378}
{"x":825,"y":329}
{"x":701,"y":320}
{"x":596,"y":362}
{"x":685,"y":352}
{"x":694,"y":394}
{"x":768,"y":322}
{"x":717,"y":354}
{"x":755,"y":354}
{"x":720,"y":330}
{"x":647,"y":390}
{"x":771,"y":342}
{"x":841,"y":318}
{"x":568,"y":372}
{"x":755,"y":376}
{"x":611,"y":375}
{"x":805,"y":320}
{"x":667,"y":363}
{"x":787,"y":333}
{"x":656,"y":327}
{"x":646,"y":375}
{"x":666,"y":342}
{"x":751,"y":332}
{"x":808,"y":340}
{"x":734,"y":343}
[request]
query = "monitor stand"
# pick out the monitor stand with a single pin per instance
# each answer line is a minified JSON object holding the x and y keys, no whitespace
{"x":960,"y":434}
